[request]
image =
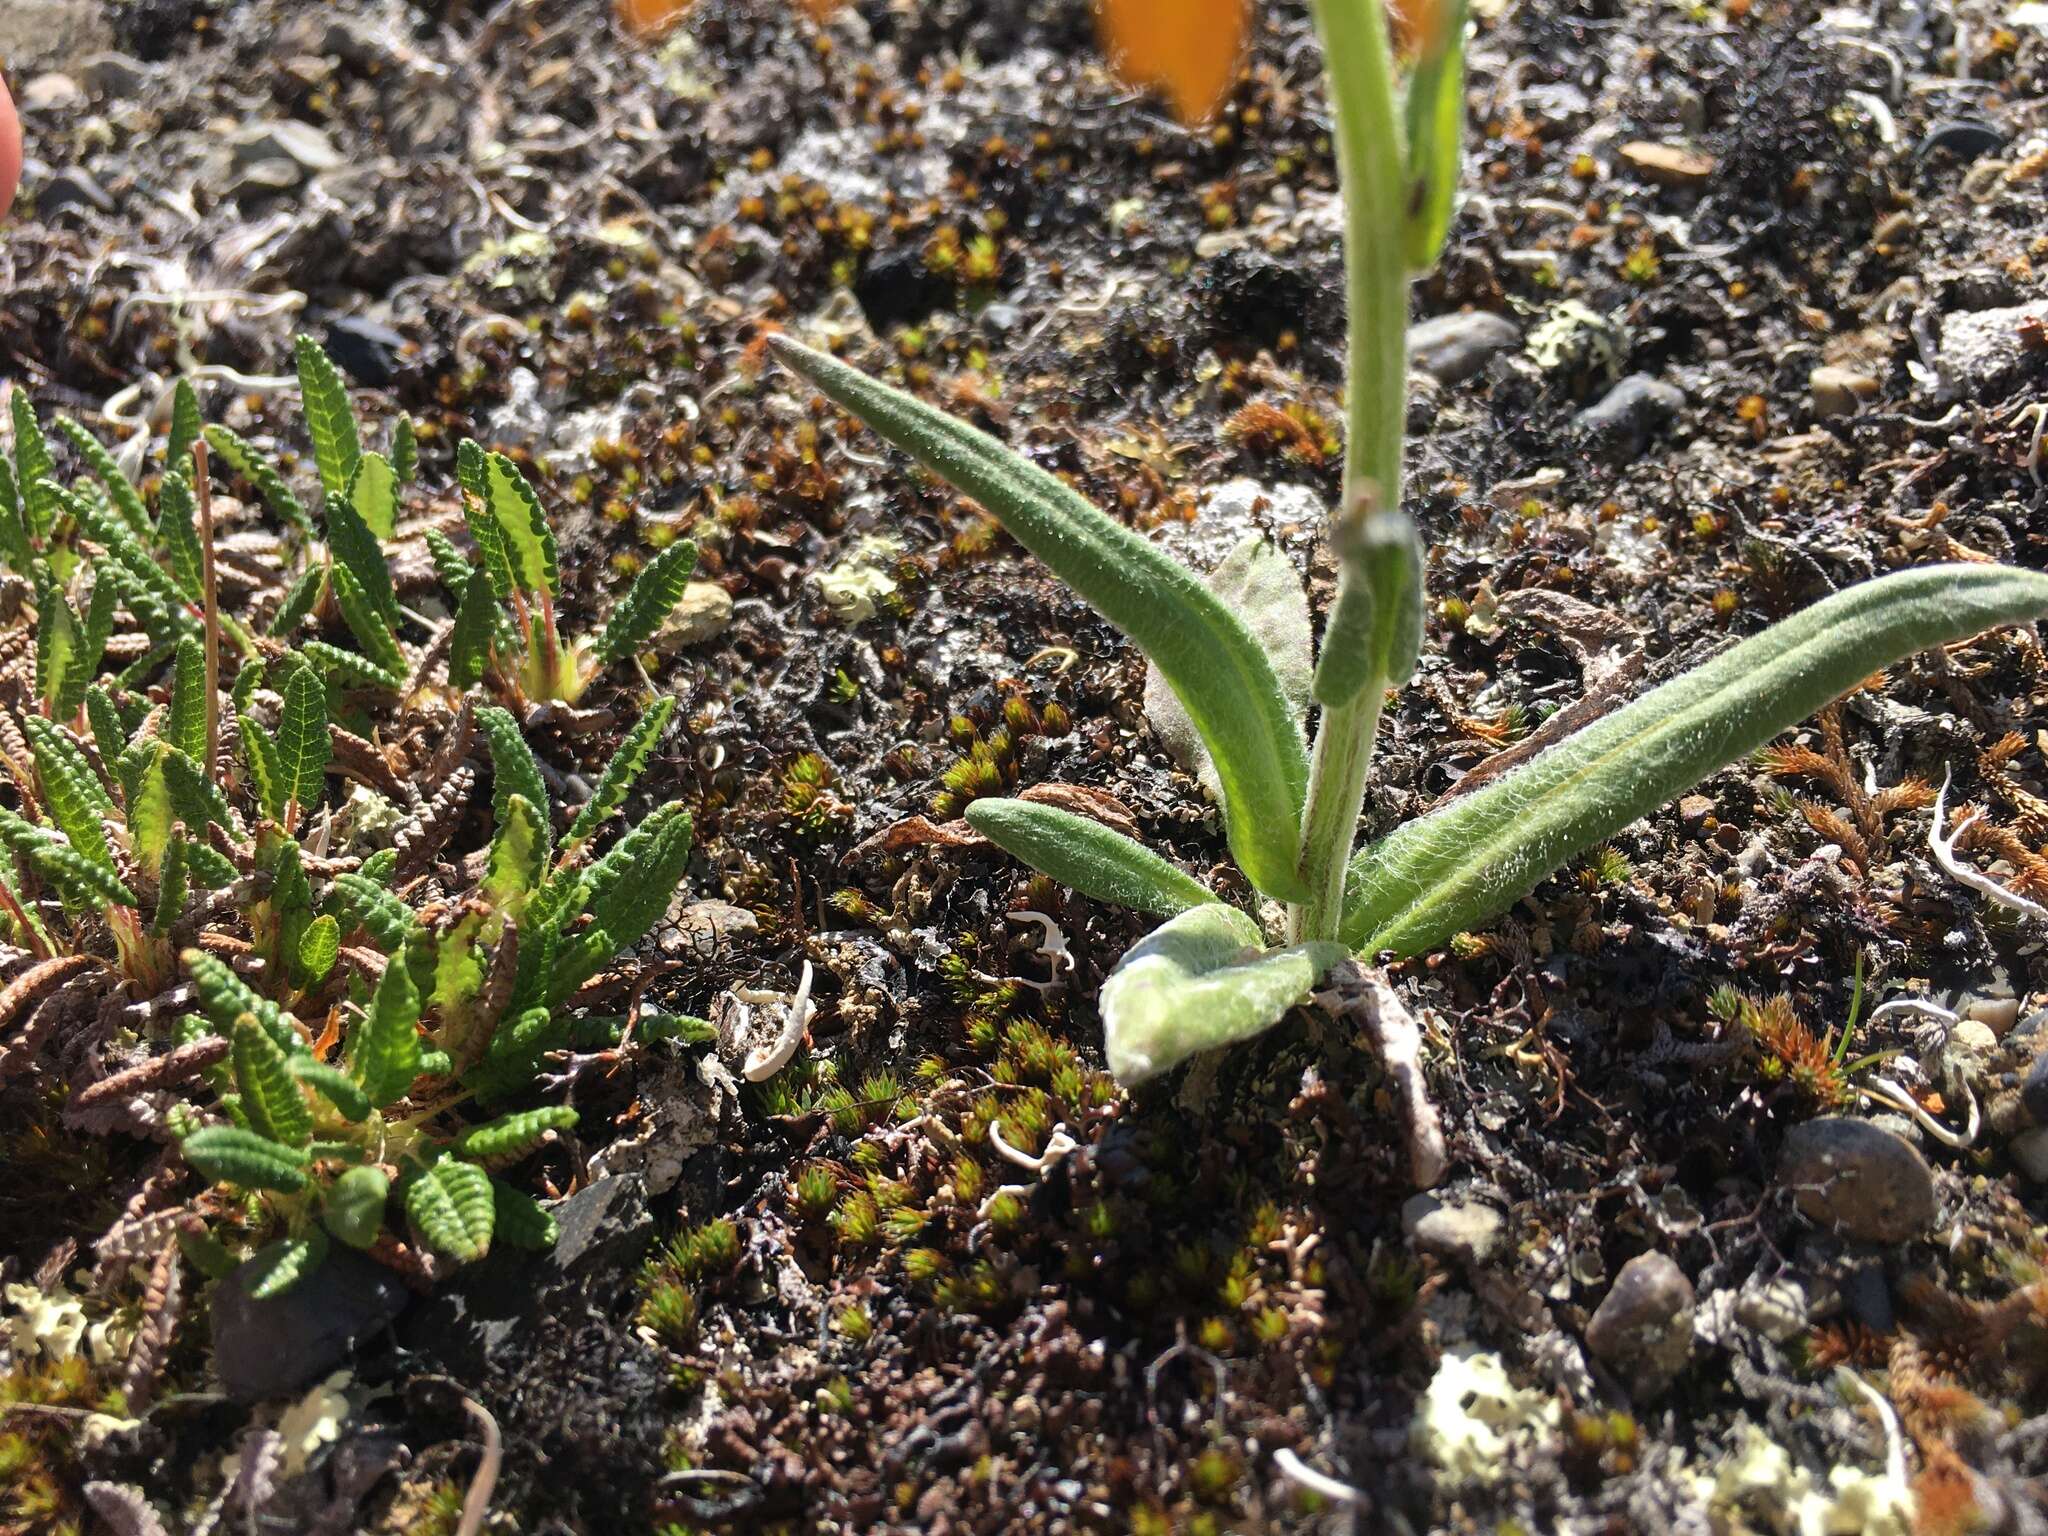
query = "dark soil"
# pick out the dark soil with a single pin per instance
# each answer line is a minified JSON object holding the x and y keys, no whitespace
{"x":569,"y":246}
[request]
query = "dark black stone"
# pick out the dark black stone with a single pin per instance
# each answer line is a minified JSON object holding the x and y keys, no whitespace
{"x":71,"y":188}
{"x":1964,"y":137}
{"x":479,"y":1317}
{"x":1622,"y":421}
{"x":897,"y":288}
{"x":1867,"y":1298}
{"x":2034,"y":1092}
{"x":365,"y":350}
{"x":274,"y":1348}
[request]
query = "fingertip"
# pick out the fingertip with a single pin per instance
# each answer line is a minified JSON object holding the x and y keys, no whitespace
{"x":10,"y":150}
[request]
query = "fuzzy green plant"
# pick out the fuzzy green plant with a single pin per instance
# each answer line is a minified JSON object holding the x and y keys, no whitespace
{"x":1213,"y":974}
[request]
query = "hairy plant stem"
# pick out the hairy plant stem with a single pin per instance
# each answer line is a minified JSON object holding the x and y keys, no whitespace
{"x":1371,"y":173}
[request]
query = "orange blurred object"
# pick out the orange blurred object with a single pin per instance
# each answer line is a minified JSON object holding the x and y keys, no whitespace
{"x":1188,"y":48}
{"x":646,"y":18}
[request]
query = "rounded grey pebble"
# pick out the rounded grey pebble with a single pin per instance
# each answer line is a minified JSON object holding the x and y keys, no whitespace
{"x":1464,"y":1232}
{"x":1858,"y":1179}
{"x":1452,"y":348}
{"x":1642,"y":1330}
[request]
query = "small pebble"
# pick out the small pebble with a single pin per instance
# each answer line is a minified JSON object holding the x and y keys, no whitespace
{"x":703,"y":614}
{"x":2034,"y":1091}
{"x":1464,"y":1232}
{"x":1672,"y":164}
{"x":113,"y":76}
{"x":1642,"y":1330}
{"x":1998,"y":1014}
{"x":1786,"y":1304}
{"x":1624,"y":418}
{"x":2030,"y":1151}
{"x":1452,"y":348}
{"x":1838,"y":391}
{"x":45,"y":92}
{"x":1858,"y":1179}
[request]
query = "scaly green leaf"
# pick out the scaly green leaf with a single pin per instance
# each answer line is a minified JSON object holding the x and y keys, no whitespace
{"x":384,"y":1049}
{"x":513,"y":1135}
{"x":333,"y":1085}
{"x":1219,"y":671}
{"x":177,"y":530}
{"x":319,"y":947}
{"x":451,"y":1205}
{"x":357,"y":552}
{"x":303,"y":747}
{"x":271,"y":1096}
{"x":528,"y":541}
{"x":100,"y":464}
{"x":472,"y":474}
{"x":373,"y":493}
{"x":240,"y":456}
{"x":651,"y":599}
{"x":259,"y":752}
{"x":521,"y":1220}
{"x":476,"y":623}
{"x":625,"y":766}
{"x":518,"y":855}
{"x":514,"y":769}
{"x":227,"y":1154}
{"x":186,"y":426}
{"x":1452,"y":870}
{"x":35,"y":470}
{"x":186,"y":727}
{"x":276,"y":1267}
{"x":330,"y":421}
{"x":72,"y":792}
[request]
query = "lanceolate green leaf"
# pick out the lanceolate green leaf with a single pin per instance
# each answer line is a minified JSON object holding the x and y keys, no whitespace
{"x":521,"y":1220}
{"x":514,"y":770}
{"x":476,"y":621}
{"x":1452,"y":870}
{"x":626,"y":766}
{"x":225,"y":997}
{"x":627,"y":891}
{"x":512,"y":1135}
{"x":241,"y":456}
{"x":271,"y":1096}
{"x":359,"y":901}
{"x":277,"y":1267}
{"x":652,"y":597}
{"x":1435,"y":108}
{"x":186,"y":728}
{"x":405,"y":451}
{"x":84,"y":882}
{"x":1086,"y":856}
{"x":124,"y":496}
{"x":384,"y":1049}
{"x":451,"y":1204}
{"x":34,"y":469}
{"x":329,"y":420}
{"x":1198,"y":981}
{"x":60,"y":642}
{"x":302,"y":742}
{"x":373,"y":492}
{"x":1205,"y":653}
{"x":185,"y":429}
{"x":529,"y":542}
{"x":319,"y":948}
{"x":227,"y":1154}
{"x":371,"y":629}
{"x":300,"y":599}
{"x":356,"y":547}
{"x":1375,"y":630}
